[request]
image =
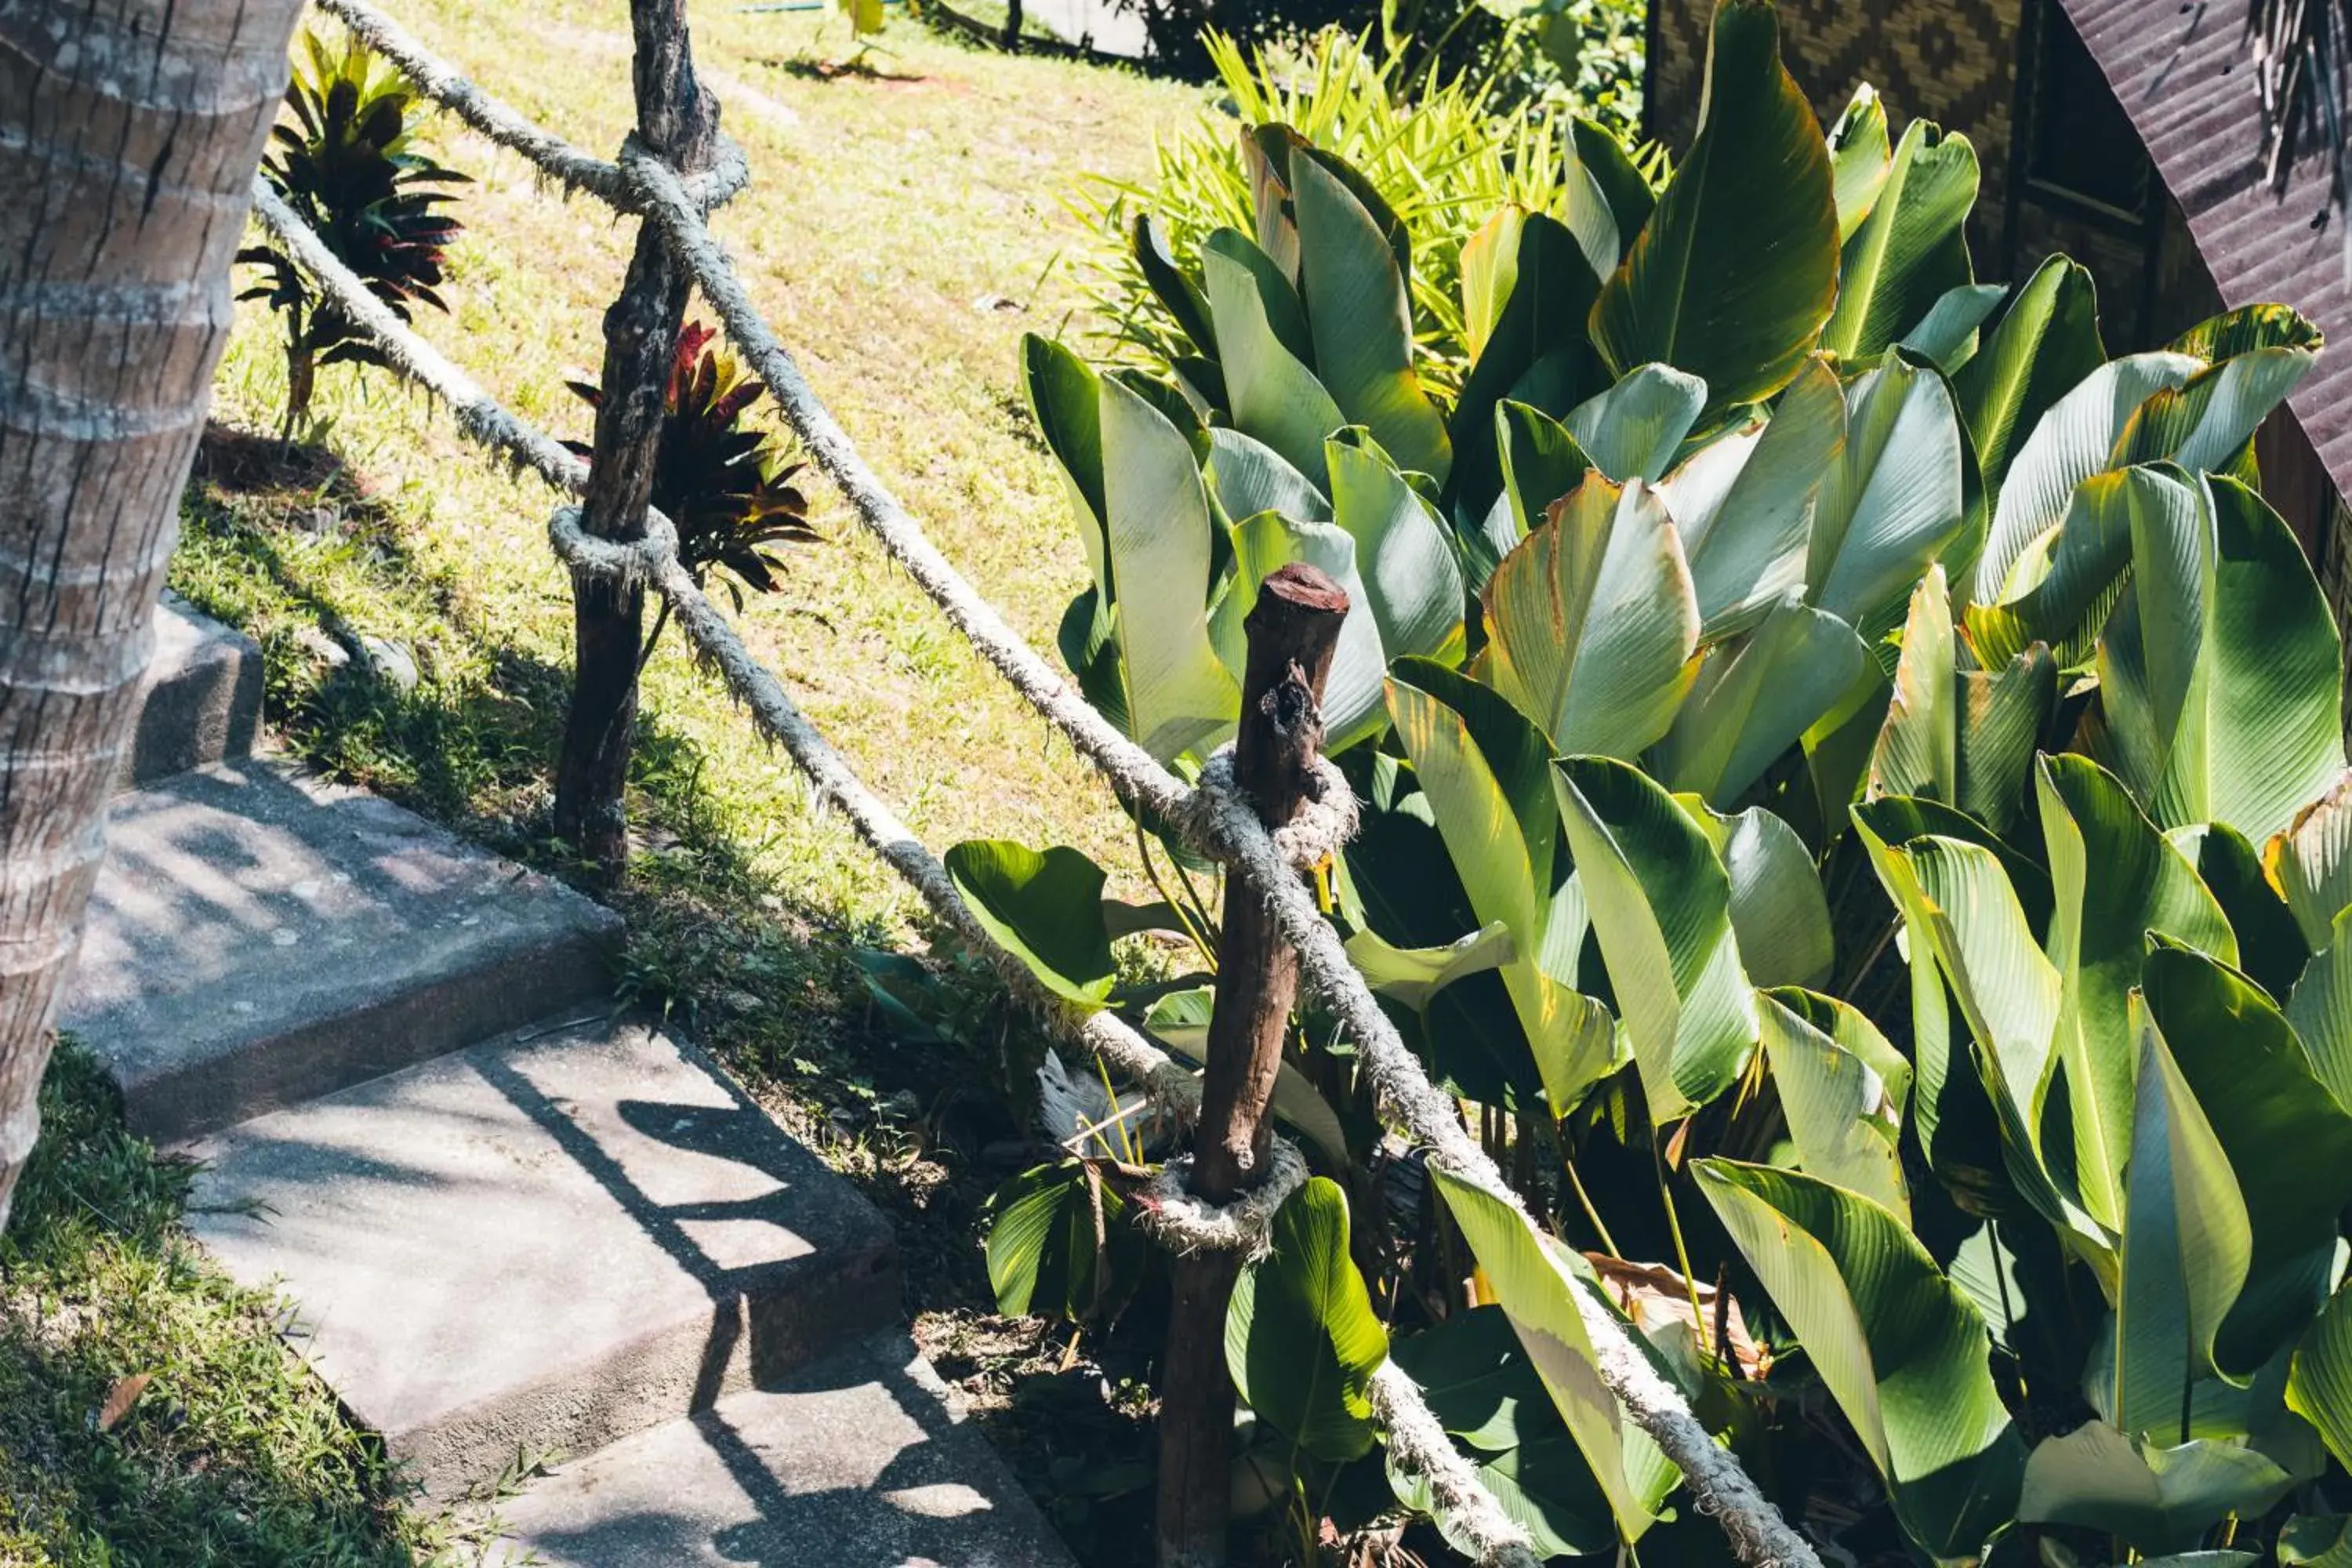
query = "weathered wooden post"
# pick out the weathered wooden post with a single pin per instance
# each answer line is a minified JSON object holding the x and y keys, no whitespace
{"x":1293,"y":630}
{"x":677,"y":121}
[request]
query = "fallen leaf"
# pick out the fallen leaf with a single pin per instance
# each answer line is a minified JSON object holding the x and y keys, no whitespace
{"x":120,"y":1398}
{"x":1653,"y":1294}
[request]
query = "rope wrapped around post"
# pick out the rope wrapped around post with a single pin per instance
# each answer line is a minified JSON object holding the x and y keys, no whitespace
{"x":1215,"y":821}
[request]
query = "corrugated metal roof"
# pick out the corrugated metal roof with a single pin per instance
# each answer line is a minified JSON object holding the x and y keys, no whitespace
{"x":2183,"y":73}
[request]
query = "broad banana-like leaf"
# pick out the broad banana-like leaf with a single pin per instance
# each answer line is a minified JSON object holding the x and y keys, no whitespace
{"x":1911,"y":248}
{"x":2114,"y":878}
{"x":1860,"y":156}
{"x":1486,"y":770}
{"x":1540,"y":1289}
{"x":1043,"y":907}
{"x":1633,"y":430}
{"x":1701,"y":289}
{"x":1415,"y":974}
{"x":2319,"y":1383}
{"x":1661,"y":907}
{"x":2255,"y":356}
{"x":1891,"y":501}
{"x":2220,"y":674}
{"x":1361,"y":318}
{"x":2186,"y":1244}
{"x":1179,"y":695}
{"x":2320,"y":1008}
{"x":1918,"y":750}
{"x":1352,"y":709}
{"x":2316,"y":1540}
{"x":1179,"y":1020}
{"x":1263,"y":346}
{"x":1900,"y":1347}
{"x":1046,"y":1255}
{"x":2311,"y":861}
{"x":1756,"y":696}
{"x":1066,"y":397}
{"x":1172,"y":286}
{"x":1747,"y":549}
{"x":1403,"y":556}
{"x":1248,"y":477}
{"x":2288,"y":1142}
{"x":1540,"y":461}
{"x":1301,"y":1338}
{"x":1946,"y":335}
{"x":1778,"y":911}
{"x":1490,"y":268}
{"x":1592,"y":624}
{"x":2062,"y":589}
{"x":2047,"y":342}
{"x":1602,"y":158}
{"x":1540,"y":324}
{"x":1845,"y":1114}
{"x":2075,"y":440}
{"x":2271,"y":948}
{"x":2154,"y":1498}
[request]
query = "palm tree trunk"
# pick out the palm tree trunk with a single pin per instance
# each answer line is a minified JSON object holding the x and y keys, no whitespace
{"x":129,"y":134}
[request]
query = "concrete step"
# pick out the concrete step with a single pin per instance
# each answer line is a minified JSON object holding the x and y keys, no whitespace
{"x":203,"y":697}
{"x":257,"y":937}
{"x":544,"y":1242}
{"x":861,"y":1462}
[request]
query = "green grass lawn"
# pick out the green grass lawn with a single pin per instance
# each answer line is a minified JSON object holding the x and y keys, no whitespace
{"x":904,"y":229}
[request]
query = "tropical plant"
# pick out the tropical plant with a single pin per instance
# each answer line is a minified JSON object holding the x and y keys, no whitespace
{"x":1429,"y":150}
{"x":350,"y":162}
{"x":724,"y":482}
{"x":1853,"y":800}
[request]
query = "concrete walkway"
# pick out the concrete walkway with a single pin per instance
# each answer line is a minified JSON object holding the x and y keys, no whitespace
{"x":513,"y":1226}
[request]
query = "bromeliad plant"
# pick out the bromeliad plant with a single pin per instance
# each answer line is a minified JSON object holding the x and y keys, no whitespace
{"x":350,"y":162}
{"x":724,"y":482}
{"x":1854,"y":801}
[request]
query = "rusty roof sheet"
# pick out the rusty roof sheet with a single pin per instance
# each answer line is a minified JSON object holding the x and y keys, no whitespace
{"x":2183,"y":74}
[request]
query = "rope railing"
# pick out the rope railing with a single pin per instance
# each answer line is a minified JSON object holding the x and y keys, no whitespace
{"x":1213,"y":819}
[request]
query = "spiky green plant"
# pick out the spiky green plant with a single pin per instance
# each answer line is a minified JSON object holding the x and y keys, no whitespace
{"x":349,"y":161}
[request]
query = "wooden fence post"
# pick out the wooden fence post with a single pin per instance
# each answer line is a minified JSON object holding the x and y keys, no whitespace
{"x":679,"y":123}
{"x":1293,"y":629}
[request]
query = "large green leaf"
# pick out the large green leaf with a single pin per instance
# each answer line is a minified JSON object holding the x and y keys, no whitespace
{"x":1060,"y":1244}
{"x":1860,"y":158}
{"x":1179,"y":1020}
{"x":1902,"y":1349}
{"x":2288,"y":1142}
{"x":1485,"y":1392}
{"x":1413,"y":975}
{"x":1407,"y":568}
{"x":1893,"y":499}
{"x":2062,"y":588}
{"x":1756,"y":696}
{"x":1911,"y":248}
{"x":2320,"y":1008}
{"x":1747,"y":546}
{"x":1661,"y":908}
{"x":1262,"y":347}
{"x":1301,"y":1339}
{"x":1179,"y":695}
{"x":2319,"y":1385}
{"x":2221,"y":673}
{"x":1590,"y":622}
{"x":2153,"y":1498}
{"x":2076,"y":438}
{"x":1540,"y":462}
{"x":2316,"y":1540}
{"x":1361,"y":318}
{"x":1046,"y":908}
{"x":1946,"y":336}
{"x":1735,"y":273}
{"x":2047,"y":340}
{"x":1918,"y":749}
{"x":1633,"y":430}
{"x":1541,"y":323}
{"x":2115,"y":879}
{"x":1778,"y":910}
{"x":1248,"y":477}
{"x":2187,"y":1244}
{"x":1842,"y":1088}
{"x":2312,"y":861}
{"x":1485,"y":771}
{"x":2257,"y":354}
{"x":1537,"y":1286}
{"x":1063,"y":395}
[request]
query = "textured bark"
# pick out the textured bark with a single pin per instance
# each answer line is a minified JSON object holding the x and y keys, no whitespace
{"x":1294,"y":629}
{"x":678,"y":121}
{"x":129,"y":135}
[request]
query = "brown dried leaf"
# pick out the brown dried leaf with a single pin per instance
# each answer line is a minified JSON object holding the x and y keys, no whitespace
{"x":120,"y":1398}
{"x":1653,"y":1294}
